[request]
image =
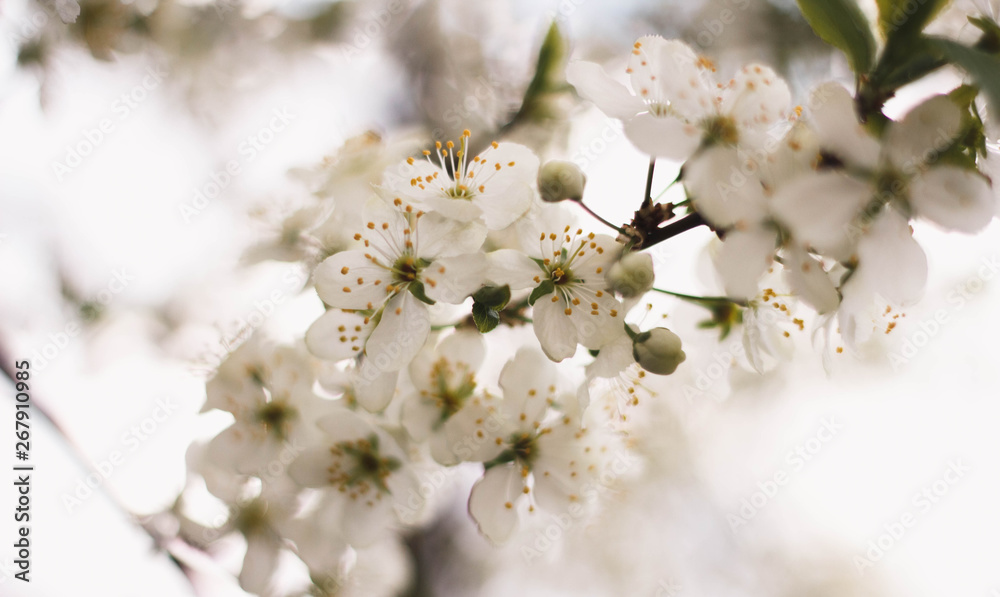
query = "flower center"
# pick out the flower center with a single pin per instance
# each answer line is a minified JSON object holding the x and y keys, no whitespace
{"x":275,"y":416}
{"x":451,"y":397}
{"x":721,"y":129}
{"x":524,"y":448}
{"x":367,"y":465}
{"x":406,"y":269}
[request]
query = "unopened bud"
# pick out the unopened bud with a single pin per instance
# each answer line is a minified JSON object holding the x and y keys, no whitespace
{"x":632,"y":275}
{"x":658,"y":351}
{"x":559,"y":180}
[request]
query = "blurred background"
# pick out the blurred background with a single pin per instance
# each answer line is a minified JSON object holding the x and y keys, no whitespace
{"x":150,"y":153}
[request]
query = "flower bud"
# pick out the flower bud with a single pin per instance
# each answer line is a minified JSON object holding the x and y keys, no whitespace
{"x":632,"y":275}
{"x":559,"y":180}
{"x":658,"y":351}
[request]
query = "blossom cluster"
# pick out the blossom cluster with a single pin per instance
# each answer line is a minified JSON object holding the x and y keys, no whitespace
{"x":421,"y":260}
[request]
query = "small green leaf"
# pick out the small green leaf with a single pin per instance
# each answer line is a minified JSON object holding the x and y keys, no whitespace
{"x":495,"y":297}
{"x":983,"y":67}
{"x":417,"y":290}
{"x":540,"y":263}
{"x":486,"y":318}
{"x":841,"y":24}
{"x":903,"y":18}
{"x":546,"y":287}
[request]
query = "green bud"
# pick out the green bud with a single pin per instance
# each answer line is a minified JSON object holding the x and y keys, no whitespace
{"x":632,"y":275}
{"x":559,"y":180}
{"x":658,"y":351}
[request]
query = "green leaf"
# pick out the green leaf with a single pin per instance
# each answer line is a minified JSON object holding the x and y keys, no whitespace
{"x":546,"y":287}
{"x":983,"y":67}
{"x":906,"y":18}
{"x":495,"y":297}
{"x":417,"y":290}
{"x":841,"y":24}
{"x":486,"y":318}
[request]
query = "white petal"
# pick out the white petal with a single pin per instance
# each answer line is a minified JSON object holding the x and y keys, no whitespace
{"x":528,"y":381}
{"x":757,"y":97}
{"x":819,"y":209}
{"x":610,"y":96}
{"x":726,"y":187}
{"x":347,"y":280}
{"x":502,"y":208}
{"x":667,"y":71}
{"x":809,"y":280}
{"x":467,"y":348}
{"x":366,"y":518}
{"x":344,"y":425}
{"x":954,"y":198}
{"x":512,"y":268}
{"x":493,"y":502}
{"x":338,"y":335}
{"x":745,"y":256}
{"x":311,"y":468}
{"x":400,"y":333}
{"x":259,"y":563}
{"x":453,"y":279}
{"x":555,"y":331}
{"x":419,"y":417}
{"x":891,"y":261}
{"x":440,"y":237}
{"x":373,"y":388}
{"x":838,"y":128}
{"x":663,"y":136}
{"x":923,"y":133}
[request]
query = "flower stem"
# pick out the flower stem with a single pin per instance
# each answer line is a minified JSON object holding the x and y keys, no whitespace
{"x":700,"y":299}
{"x":599,"y":218}
{"x":647,"y":199}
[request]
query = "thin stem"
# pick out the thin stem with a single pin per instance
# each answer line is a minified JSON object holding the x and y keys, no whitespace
{"x":647,"y":199}
{"x":700,"y":299}
{"x":602,"y":220}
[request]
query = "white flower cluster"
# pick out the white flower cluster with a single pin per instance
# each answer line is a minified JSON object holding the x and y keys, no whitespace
{"x":332,"y":437}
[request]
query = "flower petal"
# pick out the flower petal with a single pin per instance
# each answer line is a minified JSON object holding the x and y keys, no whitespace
{"x":743,"y":259}
{"x":512,"y":268}
{"x":338,"y":335}
{"x":819,"y":210}
{"x":610,"y":96}
{"x":528,"y":381}
{"x":555,"y":331}
{"x":725,"y":186}
{"x":757,"y":97}
{"x":453,"y":279}
{"x":400,"y":333}
{"x":809,"y":280}
{"x":349,"y":280}
{"x":492,"y":503}
{"x":923,"y":133}
{"x":838,"y":128}
{"x":663,"y":136}
{"x":953,"y":198}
